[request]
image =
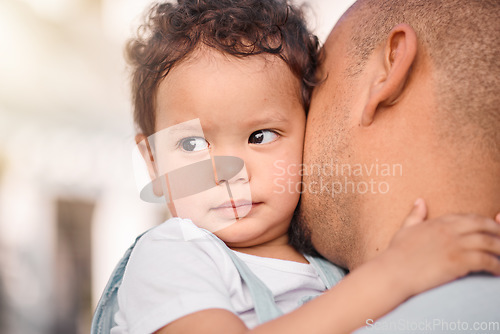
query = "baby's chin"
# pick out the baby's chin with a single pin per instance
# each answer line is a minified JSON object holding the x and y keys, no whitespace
{"x":215,"y":220}
{"x":239,"y":233}
{"x":249,"y":232}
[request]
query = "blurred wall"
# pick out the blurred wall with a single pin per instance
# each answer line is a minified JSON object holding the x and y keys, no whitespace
{"x":69,"y":206}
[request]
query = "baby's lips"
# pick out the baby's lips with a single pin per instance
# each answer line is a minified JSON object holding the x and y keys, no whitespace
{"x":235,"y":203}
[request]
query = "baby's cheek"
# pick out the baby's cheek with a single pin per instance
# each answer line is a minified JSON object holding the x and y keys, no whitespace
{"x":287,"y":179}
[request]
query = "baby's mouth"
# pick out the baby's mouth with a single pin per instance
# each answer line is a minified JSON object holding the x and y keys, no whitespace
{"x":234,"y":204}
{"x":235,"y":209}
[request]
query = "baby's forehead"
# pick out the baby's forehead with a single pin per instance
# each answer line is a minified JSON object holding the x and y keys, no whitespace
{"x":206,"y":56}
{"x":207,"y":64}
{"x":218,"y":88}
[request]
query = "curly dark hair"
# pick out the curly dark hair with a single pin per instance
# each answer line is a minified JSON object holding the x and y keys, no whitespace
{"x":239,"y":28}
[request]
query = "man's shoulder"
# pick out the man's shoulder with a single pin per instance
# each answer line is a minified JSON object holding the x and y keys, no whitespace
{"x":467,"y":305}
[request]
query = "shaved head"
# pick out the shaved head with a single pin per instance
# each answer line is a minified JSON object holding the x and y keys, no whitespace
{"x":462,"y":39}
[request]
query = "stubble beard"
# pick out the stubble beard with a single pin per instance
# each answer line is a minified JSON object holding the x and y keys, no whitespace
{"x":327,"y":221}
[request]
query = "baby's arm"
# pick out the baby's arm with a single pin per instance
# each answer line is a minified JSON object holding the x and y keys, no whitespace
{"x":421,"y":256}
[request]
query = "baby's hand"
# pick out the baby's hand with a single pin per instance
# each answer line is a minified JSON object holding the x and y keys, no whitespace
{"x":437,"y":251}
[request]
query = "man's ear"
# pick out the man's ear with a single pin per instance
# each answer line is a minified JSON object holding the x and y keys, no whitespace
{"x":147,"y":154}
{"x":395,"y":61}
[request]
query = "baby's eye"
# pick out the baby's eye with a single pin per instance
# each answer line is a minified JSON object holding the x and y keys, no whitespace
{"x":262,"y":137}
{"x":193,"y":144}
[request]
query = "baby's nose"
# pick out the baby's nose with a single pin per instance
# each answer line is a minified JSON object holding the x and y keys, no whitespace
{"x":229,"y":168}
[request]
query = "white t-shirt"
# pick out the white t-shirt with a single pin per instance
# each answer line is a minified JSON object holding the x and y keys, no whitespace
{"x":177,"y":269}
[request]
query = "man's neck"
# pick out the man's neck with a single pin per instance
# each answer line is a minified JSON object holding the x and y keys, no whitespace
{"x":446,"y":190}
{"x":467,"y":188}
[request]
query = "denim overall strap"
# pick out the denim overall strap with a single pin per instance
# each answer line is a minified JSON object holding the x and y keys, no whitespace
{"x":103,"y":319}
{"x":265,"y":306}
{"x":329,"y":273}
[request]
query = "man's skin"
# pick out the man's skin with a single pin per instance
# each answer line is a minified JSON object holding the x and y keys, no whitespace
{"x":388,"y":114}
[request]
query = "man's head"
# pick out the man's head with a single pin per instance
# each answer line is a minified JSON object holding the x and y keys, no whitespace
{"x":237,"y":28}
{"x":409,"y":108}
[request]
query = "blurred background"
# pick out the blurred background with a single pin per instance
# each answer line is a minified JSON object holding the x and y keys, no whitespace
{"x":69,"y":205}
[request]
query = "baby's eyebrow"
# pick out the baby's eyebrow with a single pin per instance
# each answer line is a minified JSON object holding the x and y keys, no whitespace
{"x":273,"y":118}
{"x":175,"y":130}
{"x":184,"y":129}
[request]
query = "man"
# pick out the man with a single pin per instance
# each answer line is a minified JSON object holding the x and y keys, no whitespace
{"x":409,"y":108}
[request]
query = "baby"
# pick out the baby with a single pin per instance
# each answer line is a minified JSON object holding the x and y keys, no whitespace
{"x":221,"y":91}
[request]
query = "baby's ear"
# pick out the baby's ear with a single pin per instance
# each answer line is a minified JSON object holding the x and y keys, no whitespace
{"x":143,"y":145}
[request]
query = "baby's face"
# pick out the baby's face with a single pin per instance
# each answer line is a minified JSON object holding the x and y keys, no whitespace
{"x":248,"y":108}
